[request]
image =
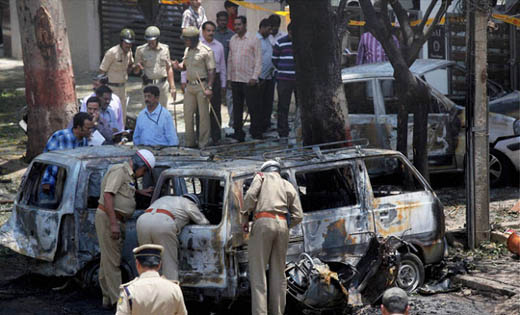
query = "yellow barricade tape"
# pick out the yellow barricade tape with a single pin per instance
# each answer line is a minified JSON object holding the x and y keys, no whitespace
{"x":174,"y":1}
{"x":508,"y":19}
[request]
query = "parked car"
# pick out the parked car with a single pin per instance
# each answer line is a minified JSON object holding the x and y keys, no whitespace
{"x":348,"y":196}
{"x":508,"y":105}
{"x":373,"y":107}
{"x":60,"y":234}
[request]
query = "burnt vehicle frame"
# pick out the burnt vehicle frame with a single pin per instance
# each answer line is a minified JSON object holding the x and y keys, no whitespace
{"x":58,"y":236}
{"x":213,"y":258}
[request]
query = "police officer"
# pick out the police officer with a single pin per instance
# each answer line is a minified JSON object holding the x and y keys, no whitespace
{"x":199,"y":63}
{"x":117,"y":63}
{"x":153,"y":61}
{"x":116,"y":204}
{"x":150,"y":293}
{"x":276,"y":207}
{"x":163,"y":221}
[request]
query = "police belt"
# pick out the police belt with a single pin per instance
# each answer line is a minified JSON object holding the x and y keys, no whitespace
{"x":119,"y":216}
{"x":265,"y":214}
{"x":116,"y":84}
{"x":156,"y":81}
{"x":195,"y":82}
{"x":163,"y":211}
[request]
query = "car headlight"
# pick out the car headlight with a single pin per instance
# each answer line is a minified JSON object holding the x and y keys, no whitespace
{"x":516,"y":127}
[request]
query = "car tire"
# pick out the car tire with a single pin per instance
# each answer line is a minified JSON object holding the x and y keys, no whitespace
{"x":499,"y":168}
{"x":411,"y":273}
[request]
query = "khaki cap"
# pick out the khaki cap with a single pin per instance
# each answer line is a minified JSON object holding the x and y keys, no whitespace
{"x":190,"y":31}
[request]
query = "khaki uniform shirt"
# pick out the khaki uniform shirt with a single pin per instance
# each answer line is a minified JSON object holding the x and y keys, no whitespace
{"x":115,"y":64}
{"x":182,"y":209}
{"x":151,"y":294}
{"x":270,"y":192}
{"x":154,"y":61}
{"x":120,"y":182}
{"x":198,"y":60}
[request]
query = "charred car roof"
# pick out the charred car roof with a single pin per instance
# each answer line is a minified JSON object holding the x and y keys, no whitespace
{"x":245,"y":166}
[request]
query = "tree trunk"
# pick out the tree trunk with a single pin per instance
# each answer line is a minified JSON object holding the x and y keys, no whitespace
{"x":414,"y":97}
{"x":318,"y":72}
{"x":49,"y":79}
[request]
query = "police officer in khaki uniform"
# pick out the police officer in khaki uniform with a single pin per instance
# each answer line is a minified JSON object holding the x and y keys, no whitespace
{"x":199,"y":63}
{"x":116,"y":64}
{"x":116,"y":204}
{"x":276,"y":207}
{"x":153,"y":61}
{"x":163,"y":221}
{"x":150,"y":293}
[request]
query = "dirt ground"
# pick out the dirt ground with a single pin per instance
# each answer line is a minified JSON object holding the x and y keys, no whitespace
{"x":24,"y":293}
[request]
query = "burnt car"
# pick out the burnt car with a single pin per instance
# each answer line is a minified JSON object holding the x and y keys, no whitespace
{"x":373,"y":106}
{"x":58,"y":234}
{"x":348,"y":196}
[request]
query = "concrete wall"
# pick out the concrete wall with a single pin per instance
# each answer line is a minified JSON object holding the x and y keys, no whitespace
{"x":83,"y":28}
{"x":253,"y":16}
{"x":16,"y":41}
{"x":82,"y":19}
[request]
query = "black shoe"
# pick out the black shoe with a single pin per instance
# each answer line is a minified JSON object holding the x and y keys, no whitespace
{"x":258,"y":137}
{"x":239,"y":138}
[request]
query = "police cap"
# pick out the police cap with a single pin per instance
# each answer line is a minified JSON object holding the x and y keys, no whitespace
{"x":190,"y":31}
{"x":148,"y":250}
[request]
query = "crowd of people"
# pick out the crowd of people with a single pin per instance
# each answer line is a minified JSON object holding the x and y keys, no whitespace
{"x":222,"y":63}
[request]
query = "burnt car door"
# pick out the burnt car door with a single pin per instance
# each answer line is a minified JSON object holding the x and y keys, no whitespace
{"x":442,"y":128}
{"x":336,"y":223}
{"x":202,"y":260}
{"x":403,"y":204}
{"x":45,"y":197}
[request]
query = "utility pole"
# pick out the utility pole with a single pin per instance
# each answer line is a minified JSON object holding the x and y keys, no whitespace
{"x":477,"y":143}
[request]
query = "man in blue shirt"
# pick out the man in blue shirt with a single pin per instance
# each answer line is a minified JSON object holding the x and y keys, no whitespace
{"x":154,"y":124}
{"x":64,"y":139}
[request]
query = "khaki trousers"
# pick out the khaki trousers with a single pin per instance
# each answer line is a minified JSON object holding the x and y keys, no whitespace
{"x":109,"y":272}
{"x":194,"y":99}
{"x":120,"y":91}
{"x":268,"y":245}
{"x":160,"y":229}
{"x":165,"y":93}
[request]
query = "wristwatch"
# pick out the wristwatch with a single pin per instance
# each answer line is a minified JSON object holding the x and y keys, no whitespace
{"x":210,"y":88}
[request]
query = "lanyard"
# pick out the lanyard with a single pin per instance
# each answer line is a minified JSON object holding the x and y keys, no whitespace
{"x":154,"y":121}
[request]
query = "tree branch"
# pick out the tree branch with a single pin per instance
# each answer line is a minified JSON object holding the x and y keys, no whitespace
{"x":404,"y":22}
{"x":426,"y":16}
{"x":422,"y":38}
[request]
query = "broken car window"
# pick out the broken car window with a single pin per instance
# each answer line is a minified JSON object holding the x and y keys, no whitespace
{"x":360,"y":97}
{"x":210,"y":192}
{"x":94,"y":186}
{"x":391,"y":176}
{"x":326,"y":189}
{"x":391,"y":100}
{"x":44,"y":186}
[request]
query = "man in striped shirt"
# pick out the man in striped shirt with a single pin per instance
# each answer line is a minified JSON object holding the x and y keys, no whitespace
{"x":283,"y":61}
{"x":244,"y":67}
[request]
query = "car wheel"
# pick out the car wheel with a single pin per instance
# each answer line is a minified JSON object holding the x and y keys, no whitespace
{"x":499,"y":169}
{"x":411,"y":272}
